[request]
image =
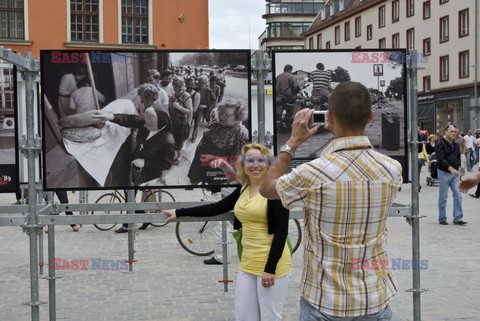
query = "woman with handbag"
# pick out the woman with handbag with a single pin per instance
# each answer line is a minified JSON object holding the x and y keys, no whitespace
{"x":265,"y":265}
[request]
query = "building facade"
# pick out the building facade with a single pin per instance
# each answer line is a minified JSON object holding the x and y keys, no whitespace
{"x":443,"y":30}
{"x":32,"y":25}
{"x":286,"y":21}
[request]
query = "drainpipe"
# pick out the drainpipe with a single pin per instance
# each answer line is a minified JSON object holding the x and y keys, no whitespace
{"x":475,"y":83}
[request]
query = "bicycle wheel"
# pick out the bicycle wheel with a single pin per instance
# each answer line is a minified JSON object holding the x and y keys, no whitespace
{"x":163,"y":196}
{"x":295,"y":234}
{"x":196,"y":237}
{"x":107,"y":198}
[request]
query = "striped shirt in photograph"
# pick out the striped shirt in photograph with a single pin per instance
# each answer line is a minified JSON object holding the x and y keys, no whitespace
{"x":320,"y":79}
{"x":346,"y":194}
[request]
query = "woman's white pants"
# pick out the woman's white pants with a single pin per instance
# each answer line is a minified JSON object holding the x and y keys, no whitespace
{"x":253,"y":302}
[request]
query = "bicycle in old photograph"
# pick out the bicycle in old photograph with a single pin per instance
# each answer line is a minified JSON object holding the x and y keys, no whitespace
{"x":198,"y":238}
{"x":117,"y":196}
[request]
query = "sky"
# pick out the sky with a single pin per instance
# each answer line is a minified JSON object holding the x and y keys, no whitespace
{"x":235,"y":24}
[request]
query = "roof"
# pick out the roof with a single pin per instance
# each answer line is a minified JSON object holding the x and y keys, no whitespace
{"x":352,"y":8}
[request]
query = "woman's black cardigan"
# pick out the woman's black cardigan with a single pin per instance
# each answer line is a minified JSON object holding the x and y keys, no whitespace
{"x":277,"y":221}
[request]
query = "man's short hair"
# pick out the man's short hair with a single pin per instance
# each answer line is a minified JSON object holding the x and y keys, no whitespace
{"x":288,"y":68}
{"x":351,"y":104}
{"x":451,"y":125}
{"x":166,"y":73}
{"x":320,"y":66}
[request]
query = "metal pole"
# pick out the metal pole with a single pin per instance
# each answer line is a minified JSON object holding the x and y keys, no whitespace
{"x":225,"y":255}
{"x":41,"y":262}
{"x":260,"y":95}
{"x":52,"y":308}
{"x":412,"y":72}
{"x":378,"y":91}
{"x":32,"y":225}
{"x":131,"y":236}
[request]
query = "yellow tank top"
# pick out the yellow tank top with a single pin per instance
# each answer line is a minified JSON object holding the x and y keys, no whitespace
{"x":256,"y":241}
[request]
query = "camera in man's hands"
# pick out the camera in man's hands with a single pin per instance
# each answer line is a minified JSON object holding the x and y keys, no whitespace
{"x":318,"y":118}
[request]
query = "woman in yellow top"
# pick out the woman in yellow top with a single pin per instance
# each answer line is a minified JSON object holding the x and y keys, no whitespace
{"x":422,"y":159}
{"x":265,"y":266}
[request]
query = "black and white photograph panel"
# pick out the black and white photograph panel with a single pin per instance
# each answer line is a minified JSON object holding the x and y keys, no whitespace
{"x":8,"y":136}
{"x":305,"y":79}
{"x":143,"y":118}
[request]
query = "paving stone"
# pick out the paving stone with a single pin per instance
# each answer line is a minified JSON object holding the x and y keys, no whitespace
{"x":171,"y":284}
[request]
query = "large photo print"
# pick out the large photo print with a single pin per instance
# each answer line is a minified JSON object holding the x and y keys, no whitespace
{"x":8,"y":135}
{"x":305,"y":79}
{"x":143,"y":118}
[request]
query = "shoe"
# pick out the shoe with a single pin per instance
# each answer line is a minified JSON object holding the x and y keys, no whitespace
{"x":474,"y":196}
{"x":212,"y":261}
{"x":121,"y":230}
{"x":18,"y":202}
{"x":75,"y":228}
{"x":144,"y":226}
{"x":443,"y":223}
{"x":460,"y":223}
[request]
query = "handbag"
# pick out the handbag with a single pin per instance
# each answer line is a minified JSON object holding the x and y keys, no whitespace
{"x":237,"y":235}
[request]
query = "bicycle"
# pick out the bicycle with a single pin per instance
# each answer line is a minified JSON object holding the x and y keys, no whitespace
{"x":197,"y":238}
{"x":155,"y":195}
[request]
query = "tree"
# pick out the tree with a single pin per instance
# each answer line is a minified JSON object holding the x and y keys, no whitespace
{"x":340,"y":75}
{"x":396,"y":87}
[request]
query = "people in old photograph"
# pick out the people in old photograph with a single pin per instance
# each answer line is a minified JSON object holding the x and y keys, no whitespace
{"x":305,"y":80}
{"x":223,"y":138}
{"x":152,"y":128}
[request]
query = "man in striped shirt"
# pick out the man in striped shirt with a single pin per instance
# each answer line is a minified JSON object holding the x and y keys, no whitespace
{"x":321,"y":84}
{"x":346,"y":194}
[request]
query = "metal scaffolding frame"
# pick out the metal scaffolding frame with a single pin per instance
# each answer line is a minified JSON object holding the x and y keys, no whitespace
{"x":34,"y":216}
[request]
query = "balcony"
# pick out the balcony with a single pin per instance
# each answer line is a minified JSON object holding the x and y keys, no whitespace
{"x":293,"y":8}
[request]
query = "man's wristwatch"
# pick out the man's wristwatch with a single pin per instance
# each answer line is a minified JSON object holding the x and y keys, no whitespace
{"x":287,"y":149}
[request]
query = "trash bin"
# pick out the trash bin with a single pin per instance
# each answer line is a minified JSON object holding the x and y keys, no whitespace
{"x":390,"y":131}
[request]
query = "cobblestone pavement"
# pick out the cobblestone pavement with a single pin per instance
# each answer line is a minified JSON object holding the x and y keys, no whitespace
{"x":170,"y":284}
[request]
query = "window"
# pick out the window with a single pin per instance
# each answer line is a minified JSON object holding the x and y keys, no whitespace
{"x":11,"y":19}
{"x":444,"y":68}
{"x":7,"y":92}
{"x":347,"y":31}
{"x":426,"y":10}
{"x":463,"y":64}
{"x":410,"y":39}
{"x":410,"y":8}
{"x":319,"y":41}
{"x":382,"y":43}
{"x":395,"y":11}
{"x":463,"y":20}
{"x":285,"y":29}
{"x":443,"y":1}
{"x":327,"y":45}
{"x":358,"y":26}
{"x":381,"y":17}
{"x":84,"y":20}
{"x":369,"y":32}
{"x":337,"y":35}
{"x":396,"y":41}
{"x":310,"y":43}
{"x":135,"y":21}
{"x":427,"y":47}
{"x":444,"y":29}
{"x":427,"y":83}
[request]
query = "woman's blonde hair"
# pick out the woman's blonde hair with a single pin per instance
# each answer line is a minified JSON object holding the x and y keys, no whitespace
{"x":241,"y":175}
